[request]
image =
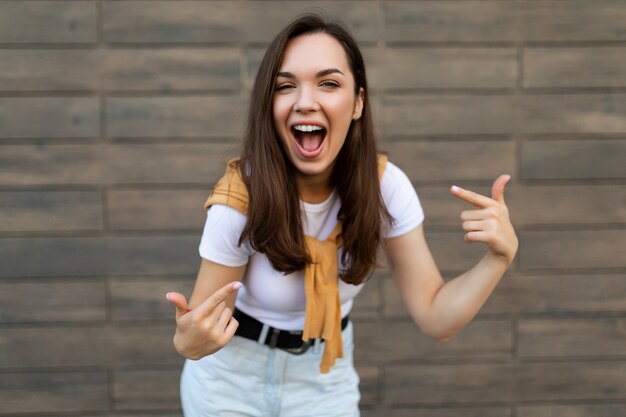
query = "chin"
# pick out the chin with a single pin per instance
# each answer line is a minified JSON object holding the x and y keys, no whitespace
{"x":311,"y":168}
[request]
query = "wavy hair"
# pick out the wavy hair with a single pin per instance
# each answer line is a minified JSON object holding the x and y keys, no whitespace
{"x":274,"y":225}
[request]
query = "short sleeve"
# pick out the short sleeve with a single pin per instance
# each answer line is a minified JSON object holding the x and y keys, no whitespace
{"x":401,"y":201}
{"x":220,"y":237}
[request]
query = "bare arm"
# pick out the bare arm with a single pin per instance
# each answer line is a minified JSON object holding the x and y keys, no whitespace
{"x":441,"y":309}
{"x":211,"y":277}
{"x":206,"y":325}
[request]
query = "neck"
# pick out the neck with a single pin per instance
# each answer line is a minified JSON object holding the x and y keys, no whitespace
{"x":314,"y":189}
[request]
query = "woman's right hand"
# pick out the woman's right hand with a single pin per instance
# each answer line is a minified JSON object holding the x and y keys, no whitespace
{"x":208,"y":327}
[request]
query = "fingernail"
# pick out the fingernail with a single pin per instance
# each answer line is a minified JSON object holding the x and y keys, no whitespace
{"x":455,"y":189}
{"x":237,"y":285}
{"x":168,"y":295}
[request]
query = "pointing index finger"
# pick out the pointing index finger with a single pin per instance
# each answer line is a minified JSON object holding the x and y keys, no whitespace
{"x":472,"y":197}
{"x":218,"y":296}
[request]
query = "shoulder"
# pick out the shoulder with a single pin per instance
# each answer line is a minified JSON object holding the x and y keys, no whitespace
{"x":221,"y":234}
{"x":394,"y":178}
{"x":401,"y":201}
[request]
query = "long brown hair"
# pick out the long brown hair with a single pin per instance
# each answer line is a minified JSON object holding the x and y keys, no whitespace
{"x":274,"y":225}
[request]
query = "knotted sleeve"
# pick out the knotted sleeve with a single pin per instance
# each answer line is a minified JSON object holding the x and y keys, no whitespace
{"x":230,"y":190}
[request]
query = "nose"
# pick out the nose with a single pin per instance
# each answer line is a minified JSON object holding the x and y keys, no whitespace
{"x":306,"y":101}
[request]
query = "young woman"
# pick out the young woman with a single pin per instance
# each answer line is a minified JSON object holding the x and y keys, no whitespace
{"x":297,"y":219}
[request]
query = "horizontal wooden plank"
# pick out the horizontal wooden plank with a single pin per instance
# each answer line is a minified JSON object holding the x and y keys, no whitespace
{"x":225,"y":21}
{"x":487,"y":21}
{"x":54,"y":301}
{"x":384,"y":341}
{"x":578,"y":410}
{"x":573,"y":159}
{"x":600,"y":337}
{"x":141,"y":299}
{"x":109,"y":346}
{"x":504,"y":114}
{"x":147,"y":389}
{"x":189,"y":163}
{"x":518,"y":293}
{"x":446,"y":21}
{"x":53,"y":256}
{"x":27,"y":21}
{"x":574,"y":67}
{"x":170,"y":69}
{"x":27,"y":211}
{"x":403,"y":68}
{"x":123,"y":255}
{"x":572,"y":249}
{"x":99,"y":164}
{"x":504,"y":383}
{"x":463,"y":160}
{"x":157,"y":255}
{"x":46,"y":164}
{"x":162,"y":117}
{"x":53,"y":392}
{"x":142,"y":345}
{"x":56,"y":69}
{"x":53,"y":347}
{"x":180,"y":69}
{"x":176,"y":209}
{"x":571,"y":293}
{"x":49,"y":117}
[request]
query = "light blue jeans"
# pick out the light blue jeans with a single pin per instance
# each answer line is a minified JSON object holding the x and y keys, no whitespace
{"x":249,"y":379}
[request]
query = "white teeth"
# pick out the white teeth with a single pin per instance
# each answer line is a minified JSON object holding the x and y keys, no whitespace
{"x":307,"y":128}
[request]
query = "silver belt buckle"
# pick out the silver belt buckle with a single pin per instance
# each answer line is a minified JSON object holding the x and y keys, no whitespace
{"x":300,"y":350}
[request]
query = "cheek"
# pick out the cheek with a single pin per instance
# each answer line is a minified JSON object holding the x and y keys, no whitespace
{"x":341,"y":109}
{"x":280,"y":113}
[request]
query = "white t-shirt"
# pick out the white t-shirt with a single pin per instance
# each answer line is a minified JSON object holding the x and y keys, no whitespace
{"x":278,"y":299}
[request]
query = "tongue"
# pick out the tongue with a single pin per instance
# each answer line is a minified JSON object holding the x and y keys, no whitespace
{"x":310,"y":141}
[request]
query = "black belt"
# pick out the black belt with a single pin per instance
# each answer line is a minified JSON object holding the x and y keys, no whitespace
{"x":291,"y":341}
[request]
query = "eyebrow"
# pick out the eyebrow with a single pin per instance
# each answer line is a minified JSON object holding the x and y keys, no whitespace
{"x":319,"y":74}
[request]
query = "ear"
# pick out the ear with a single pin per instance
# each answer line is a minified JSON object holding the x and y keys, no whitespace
{"x":358,"y":107}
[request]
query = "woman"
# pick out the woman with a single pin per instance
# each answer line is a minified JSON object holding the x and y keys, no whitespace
{"x":310,"y":199}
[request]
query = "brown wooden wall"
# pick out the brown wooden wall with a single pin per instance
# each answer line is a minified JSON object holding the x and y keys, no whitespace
{"x":117,"y":116}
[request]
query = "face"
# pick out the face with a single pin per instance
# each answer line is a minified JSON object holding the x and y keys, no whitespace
{"x":314,"y":102}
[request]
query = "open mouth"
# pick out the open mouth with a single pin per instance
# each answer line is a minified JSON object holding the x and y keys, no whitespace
{"x":309,"y":139}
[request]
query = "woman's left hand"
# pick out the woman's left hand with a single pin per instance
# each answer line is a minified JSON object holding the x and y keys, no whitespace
{"x":490,"y":223}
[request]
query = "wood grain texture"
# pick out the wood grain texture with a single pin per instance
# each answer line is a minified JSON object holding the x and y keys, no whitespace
{"x":602,"y":337}
{"x":48,"y":22}
{"x":225,"y":21}
{"x":48,"y":117}
{"x":53,"y":392}
{"x":574,"y":67}
{"x":389,"y":341}
{"x":504,"y":383}
{"x":499,"y":21}
{"x":146,"y":389}
{"x":28,"y":302}
{"x":573,"y":159}
{"x":137,"y":70}
{"x":171,"y":209}
{"x":116,"y":118}
{"x":30,"y":211}
{"x":428,"y":114}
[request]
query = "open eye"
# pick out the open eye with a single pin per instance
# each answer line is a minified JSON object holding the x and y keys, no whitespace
{"x":331,"y":84}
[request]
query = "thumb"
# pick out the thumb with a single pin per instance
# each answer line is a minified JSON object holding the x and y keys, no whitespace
{"x":497,"y":189}
{"x":180,"y":302}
